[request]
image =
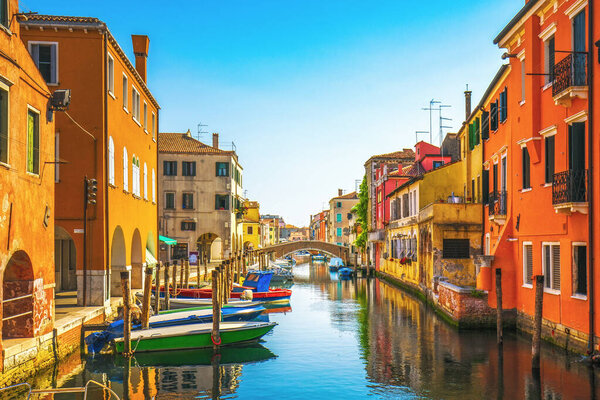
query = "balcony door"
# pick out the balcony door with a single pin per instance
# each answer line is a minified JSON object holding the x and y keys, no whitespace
{"x":577,"y":174}
{"x":579,"y":56}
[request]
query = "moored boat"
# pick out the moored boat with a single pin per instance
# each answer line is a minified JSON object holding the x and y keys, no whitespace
{"x":345,"y":272}
{"x":335,"y":263}
{"x":194,"y":336}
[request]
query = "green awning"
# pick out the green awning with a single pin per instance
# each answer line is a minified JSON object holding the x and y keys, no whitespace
{"x":150,"y":260}
{"x":167,"y":240}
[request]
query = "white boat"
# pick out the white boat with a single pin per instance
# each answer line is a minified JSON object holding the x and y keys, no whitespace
{"x":177,"y":303}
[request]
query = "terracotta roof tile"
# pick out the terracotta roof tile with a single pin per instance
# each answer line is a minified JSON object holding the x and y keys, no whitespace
{"x":170,"y":142}
{"x":352,"y":195}
{"x":60,"y":18}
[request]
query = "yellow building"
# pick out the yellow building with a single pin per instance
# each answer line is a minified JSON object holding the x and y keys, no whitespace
{"x":251,"y":225}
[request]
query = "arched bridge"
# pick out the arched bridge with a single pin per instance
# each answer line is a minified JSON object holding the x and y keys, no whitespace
{"x":283,"y":249}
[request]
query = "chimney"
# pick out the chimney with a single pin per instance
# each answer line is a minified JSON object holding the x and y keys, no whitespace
{"x":467,"y":103}
{"x":140,"y":49}
{"x":215,"y":140}
{"x":340,"y":192}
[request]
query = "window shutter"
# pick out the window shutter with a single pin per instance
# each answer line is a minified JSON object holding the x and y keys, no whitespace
{"x":30,"y":140}
{"x":556,"y":267}
{"x":485,"y":186}
{"x":35,"y":54}
{"x":485,"y":125}
{"x":477,"y":131}
{"x":528,"y":261}
{"x":125,"y":170}
{"x":53,"y":62}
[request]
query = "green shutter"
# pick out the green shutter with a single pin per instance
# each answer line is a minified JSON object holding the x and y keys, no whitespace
{"x":30,"y":140}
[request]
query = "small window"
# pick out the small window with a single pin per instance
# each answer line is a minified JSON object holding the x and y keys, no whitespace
{"x":125,"y":92}
{"x":503,"y":108}
{"x":494,"y":116}
{"x":4,"y":13}
{"x":338,"y":217}
{"x":135,"y":104}
{"x":153,"y":126}
{"x":349,"y":216}
{"x":110,"y":75}
{"x":549,"y":59}
{"x":527,"y":264}
{"x":4,"y":126}
{"x":45,"y":57}
{"x":188,"y":168}
{"x":338,"y":232}
{"x":222,"y":202}
{"x":170,"y":168}
{"x":145,"y":117}
{"x":33,"y":142}
{"x":188,"y":226}
{"x":551,"y":264}
{"x":222,"y":169}
{"x":187,"y":201}
{"x":250,"y":230}
{"x":485,"y":125}
{"x":437,"y":164}
{"x":170,"y":200}
{"x":549,"y":161}
{"x":526,"y":168}
{"x":456,"y":248}
{"x":338,"y":204}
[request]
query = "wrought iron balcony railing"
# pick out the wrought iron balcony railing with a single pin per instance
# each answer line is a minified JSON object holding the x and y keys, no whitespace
{"x":497,"y":203}
{"x":570,"y":187}
{"x":570,"y":71}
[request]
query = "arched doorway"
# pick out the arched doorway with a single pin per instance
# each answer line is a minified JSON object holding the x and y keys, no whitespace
{"x":248,"y":246}
{"x":137,"y":261}
{"x":118,"y":260}
{"x":65,"y":260}
{"x":209,"y":247}
{"x":17,"y":304}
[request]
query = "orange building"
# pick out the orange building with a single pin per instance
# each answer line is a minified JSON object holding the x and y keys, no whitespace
{"x":108,"y":134}
{"x":536,"y":157}
{"x":26,"y":190}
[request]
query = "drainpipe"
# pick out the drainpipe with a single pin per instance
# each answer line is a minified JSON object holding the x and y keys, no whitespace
{"x":591,"y":242}
{"x":104,"y":168}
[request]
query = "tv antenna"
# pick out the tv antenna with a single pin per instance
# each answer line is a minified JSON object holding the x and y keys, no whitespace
{"x":200,"y":131}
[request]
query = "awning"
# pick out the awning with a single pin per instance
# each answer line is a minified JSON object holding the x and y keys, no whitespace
{"x":167,"y":240}
{"x":150,"y":260}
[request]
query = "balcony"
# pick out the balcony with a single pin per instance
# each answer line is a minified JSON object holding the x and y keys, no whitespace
{"x":569,"y":191}
{"x":570,"y":79}
{"x":497,"y":206}
{"x":377,"y":236}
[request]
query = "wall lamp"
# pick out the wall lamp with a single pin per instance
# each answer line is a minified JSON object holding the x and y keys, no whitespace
{"x":508,"y":55}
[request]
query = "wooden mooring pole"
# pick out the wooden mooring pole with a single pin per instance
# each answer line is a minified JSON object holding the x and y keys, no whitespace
{"x":187,"y":274}
{"x":126,"y":288}
{"x":147,"y":298}
{"x":216,"y":339}
{"x":167,"y":283}
{"x":499,"y":337}
{"x":537,"y":322}
{"x":182,"y":275}
{"x":157,"y":288}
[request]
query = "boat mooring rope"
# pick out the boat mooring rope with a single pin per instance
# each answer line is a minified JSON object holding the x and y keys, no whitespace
{"x":213,"y":340}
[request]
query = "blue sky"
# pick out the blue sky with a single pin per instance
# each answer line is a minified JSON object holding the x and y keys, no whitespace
{"x":308,"y":90}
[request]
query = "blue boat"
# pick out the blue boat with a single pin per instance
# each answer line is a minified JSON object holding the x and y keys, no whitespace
{"x":345,"y":272}
{"x":335,"y":263}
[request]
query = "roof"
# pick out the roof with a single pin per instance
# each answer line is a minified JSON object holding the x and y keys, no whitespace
{"x":184,"y":143}
{"x":87,"y":23}
{"x":401,"y":154}
{"x":352,"y":195}
{"x":526,"y":8}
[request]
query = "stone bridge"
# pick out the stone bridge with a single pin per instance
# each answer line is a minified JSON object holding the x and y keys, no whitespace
{"x":283,"y":249}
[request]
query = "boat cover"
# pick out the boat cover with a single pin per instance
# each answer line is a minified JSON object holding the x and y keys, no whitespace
{"x":259,"y":281}
{"x":336,"y":262}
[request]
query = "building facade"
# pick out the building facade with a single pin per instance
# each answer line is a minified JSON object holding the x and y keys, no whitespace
{"x":108,"y":136}
{"x":200,"y":189}
{"x":340,"y":217}
{"x":251,"y":225}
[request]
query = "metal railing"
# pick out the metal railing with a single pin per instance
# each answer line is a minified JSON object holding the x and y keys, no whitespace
{"x":497,"y":202}
{"x":570,"y":71}
{"x":570,"y":186}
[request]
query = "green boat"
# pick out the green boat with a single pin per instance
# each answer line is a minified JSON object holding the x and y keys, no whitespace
{"x":193,"y":336}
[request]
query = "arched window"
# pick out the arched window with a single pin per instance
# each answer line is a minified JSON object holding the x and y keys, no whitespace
{"x":153,"y":187}
{"x":125,"y":170}
{"x":145,"y":182}
{"x":135,"y":175}
{"x":111,"y":161}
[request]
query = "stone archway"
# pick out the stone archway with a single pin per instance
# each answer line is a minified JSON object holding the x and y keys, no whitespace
{"x":118,"y":260}
{"x":209,"y":247}
{"x":17,"y":300}
{"x":65,"y":260}
{"x":137,"y":261}
{"x":248,"y":246}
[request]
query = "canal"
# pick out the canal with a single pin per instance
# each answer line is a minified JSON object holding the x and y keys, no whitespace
{"x":345,"y":339}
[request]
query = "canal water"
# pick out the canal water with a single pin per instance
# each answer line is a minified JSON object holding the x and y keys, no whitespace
{"x":344,"y":339}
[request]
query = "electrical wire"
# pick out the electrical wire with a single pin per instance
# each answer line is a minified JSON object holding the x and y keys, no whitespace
{"x":79,"y":126}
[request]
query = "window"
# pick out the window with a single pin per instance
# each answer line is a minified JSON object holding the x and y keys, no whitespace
{"x":549,"y":167}
{"x":523,"y":74}
{"x":580,"y":269}
{"x":526,"y":168}
{"x":33,"y":141}
{"x":170,"y":168}
{"x":125,"y":170}
{"x":153,"y":126}
{"x":145,"y":182}
{"x":503,"y":108}
{"x":549,"y":59}
{"x":125,"y":90}
{"x":527,"y":263}
{"x":494,"y":116}
{"x":485,"y":186}
{"x":349,"y":216}
{"x":188,"y":168}
{"x":551,"y":264}
{"x":4,"y":13}
{"x":437,"y":164}
{"x":338,"y":204}
{"x":250,"y":230}
{"x":153,"y":186}
{"x":110,"y":75}
{"x":4,"y":126}
{"x":338,"y":217}
{"x":169,"y":200}
{"x":45,"y":56}
{"x":222,"y":169}
{"x":188,"y":226}
{"x":135,"y":175}
{"x":135,"y":104}
{"x":111,"y":161}
{"x":187,"y":201}
{"x":455,"y":248}
{"x":145,"y":117}
{"x":338,"y":232}
{"x":485,"y":125}
{"x":221,"y":202}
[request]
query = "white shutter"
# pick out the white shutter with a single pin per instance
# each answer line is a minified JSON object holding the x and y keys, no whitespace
{"x":153,"y":186}
{"x":125,"y":170}
{"x":145,"y":182}
{"x":111,"y":161}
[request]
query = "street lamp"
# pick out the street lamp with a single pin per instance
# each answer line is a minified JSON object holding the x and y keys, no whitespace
{"x":90,"y":188}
